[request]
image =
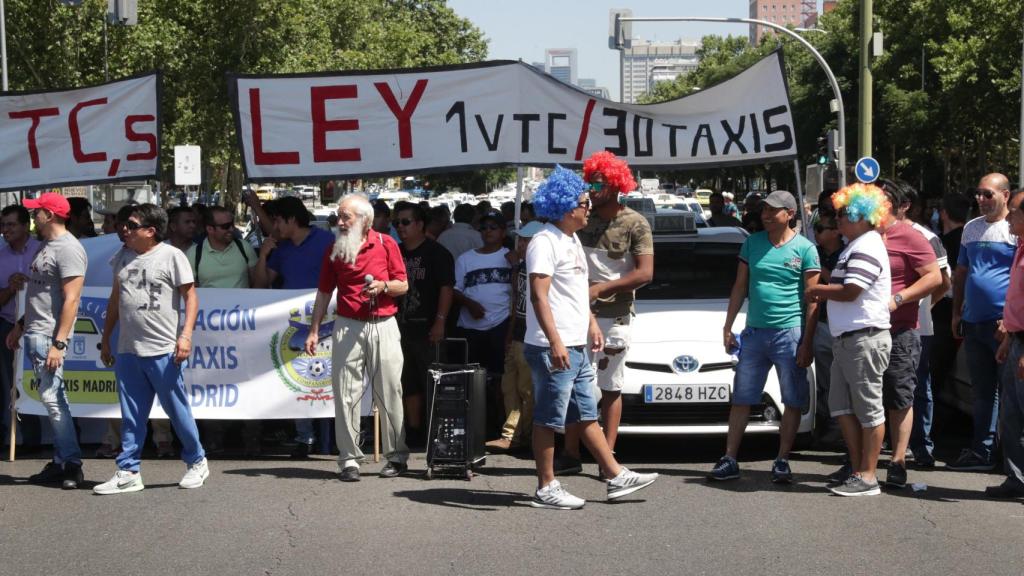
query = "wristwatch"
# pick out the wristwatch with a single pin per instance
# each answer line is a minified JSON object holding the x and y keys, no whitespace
{"x":60,"y":344}
{"x":897,"y":299}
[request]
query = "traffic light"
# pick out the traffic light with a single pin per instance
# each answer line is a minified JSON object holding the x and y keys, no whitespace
{"x":822,"y":157}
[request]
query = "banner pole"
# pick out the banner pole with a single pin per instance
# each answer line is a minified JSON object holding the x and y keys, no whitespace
{"x":13,"y":433}
{"x":519,"y":196}
{"x":804,"y":216}
{"x":376,"y":434}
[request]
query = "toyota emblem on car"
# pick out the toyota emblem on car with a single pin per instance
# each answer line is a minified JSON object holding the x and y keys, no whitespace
{"x":685,"y":364}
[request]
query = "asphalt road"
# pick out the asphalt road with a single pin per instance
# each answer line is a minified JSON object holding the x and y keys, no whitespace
{"x":277,"y":516}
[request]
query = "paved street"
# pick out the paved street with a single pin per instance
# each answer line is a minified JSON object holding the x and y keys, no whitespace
{"x":276,"y":516}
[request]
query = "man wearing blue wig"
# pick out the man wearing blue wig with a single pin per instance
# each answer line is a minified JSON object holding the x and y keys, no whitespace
{"x":559,"y":325}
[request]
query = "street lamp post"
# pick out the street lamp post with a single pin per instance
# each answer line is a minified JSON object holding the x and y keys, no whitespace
{"x":3,"y":44}
{"x":841,"y":149}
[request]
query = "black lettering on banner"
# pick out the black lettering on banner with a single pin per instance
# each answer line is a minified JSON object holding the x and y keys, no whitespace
{"x":620,"y":130}
{"x":672,"y":128}
{"x":704,"y":131}
{"x":459,"y":108}
{"x":734,"y":137}
{"x":755,"y":132}
{"x":787,"y":135}
{"x":524,"y":120}
{"x":648,"y":136}
{"x":492,"y":145}
{"x":552,"y":116}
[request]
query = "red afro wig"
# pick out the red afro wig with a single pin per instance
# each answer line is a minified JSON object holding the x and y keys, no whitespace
{"x":614,"y":169}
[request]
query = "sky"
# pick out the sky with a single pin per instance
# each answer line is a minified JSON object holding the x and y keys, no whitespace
{"x":524,"y":29}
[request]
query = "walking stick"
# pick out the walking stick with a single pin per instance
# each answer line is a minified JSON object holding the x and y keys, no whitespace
{"x":376,"y":434}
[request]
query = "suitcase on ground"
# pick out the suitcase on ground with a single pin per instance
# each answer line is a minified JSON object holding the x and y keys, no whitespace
{"x":458,"y":416}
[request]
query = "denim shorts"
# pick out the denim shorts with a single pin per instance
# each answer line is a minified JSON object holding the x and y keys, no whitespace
{"x":561,"y":397}
{"x":761,"y":349}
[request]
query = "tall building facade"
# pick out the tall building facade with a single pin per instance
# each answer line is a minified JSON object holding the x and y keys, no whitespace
{"x":561,"y":63}
{"x":782,"y":12}
{"x":646,"y":63}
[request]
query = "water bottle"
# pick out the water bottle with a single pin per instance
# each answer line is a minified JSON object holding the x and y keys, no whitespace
{"x":734,"y":351}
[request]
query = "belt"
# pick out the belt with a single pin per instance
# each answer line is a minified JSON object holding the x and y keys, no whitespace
{"x":372,"y":320}
{"x":870,"y":331}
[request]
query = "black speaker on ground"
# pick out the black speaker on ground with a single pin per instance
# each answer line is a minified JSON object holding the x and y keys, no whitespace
{"x":458,"y":419}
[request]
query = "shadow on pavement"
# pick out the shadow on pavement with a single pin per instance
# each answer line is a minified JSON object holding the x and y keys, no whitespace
{"x":288,"y":472}
{"x":468,"y":498}
{"x":758,"y":481}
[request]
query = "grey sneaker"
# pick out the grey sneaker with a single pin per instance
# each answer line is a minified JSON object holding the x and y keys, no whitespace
{"x":123,"y":481}
{"x":195,"y":475}
{"x":856,"y":486}
{"x":628,"y":482}
{"x":970,"y":461}
{"x":555,"y":497}
{"x":839,"y":476}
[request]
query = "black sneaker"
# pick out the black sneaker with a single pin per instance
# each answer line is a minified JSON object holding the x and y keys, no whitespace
{"x":1004,"y":491}
{"x":856,"y":486}
{"x":726,"y":469}
{"x":566,"y":465}
{"x":970,"y":461}
{"x":840,"y":476}
{"x":72,"y":476}
{"x":50,"y":474}
{"x":781,"y":474}
{"x":349,"y":474}
{"x":924,"y":461}
{"x":393,"y":469}
{"x":301,"y":451}
{"x":897,"y":476}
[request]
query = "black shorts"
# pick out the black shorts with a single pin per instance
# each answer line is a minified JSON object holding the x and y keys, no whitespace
{"x":418,"y":355}
{"x":900,"y":378}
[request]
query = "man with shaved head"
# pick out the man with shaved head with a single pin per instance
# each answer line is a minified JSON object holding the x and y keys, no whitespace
{"x":980,"y":283}
{"x":366,"y":268}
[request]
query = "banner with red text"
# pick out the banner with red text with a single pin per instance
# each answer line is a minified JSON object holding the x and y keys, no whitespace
{"x":102,"y":133}
{"x":347,"y":124}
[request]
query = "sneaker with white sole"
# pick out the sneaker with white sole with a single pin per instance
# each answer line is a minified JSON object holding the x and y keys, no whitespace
{"x":628,"y":482}
{"x":195,"y":475}
{"x":555,"y":497}
{"x":123,"y":481}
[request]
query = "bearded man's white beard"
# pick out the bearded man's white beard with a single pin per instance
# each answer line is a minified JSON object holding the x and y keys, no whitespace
{"x":348,"y":243}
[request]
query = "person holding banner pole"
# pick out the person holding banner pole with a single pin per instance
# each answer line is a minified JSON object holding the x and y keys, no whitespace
{"x":15,"y":258}
{"x":367,"y":270}
{"x":54,"y":288}
{"x":149,"y":285}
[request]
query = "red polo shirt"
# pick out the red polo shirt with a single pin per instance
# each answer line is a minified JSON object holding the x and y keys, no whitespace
{"x":379,"y":257}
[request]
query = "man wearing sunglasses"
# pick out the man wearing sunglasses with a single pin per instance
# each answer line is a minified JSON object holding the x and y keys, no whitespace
{"x":54,"y":289}
{"x":221,"y":260}
{"x":980,"y":283}
{"x":620,"y":255}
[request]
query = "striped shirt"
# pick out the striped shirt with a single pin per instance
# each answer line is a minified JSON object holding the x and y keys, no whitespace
{"x":864,"y":263}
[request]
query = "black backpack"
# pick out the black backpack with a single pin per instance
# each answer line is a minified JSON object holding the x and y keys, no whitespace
{"x":199,"y":255}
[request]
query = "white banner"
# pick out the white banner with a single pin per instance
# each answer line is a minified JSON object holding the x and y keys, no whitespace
{"x":90,"y":135}
{"x":496,"y":113}
{"x":247,"y":360}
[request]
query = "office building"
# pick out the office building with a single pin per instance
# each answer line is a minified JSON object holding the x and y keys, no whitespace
{"x":645,"y":63}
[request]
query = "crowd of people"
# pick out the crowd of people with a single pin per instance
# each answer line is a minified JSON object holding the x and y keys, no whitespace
{"x":877,"y":301}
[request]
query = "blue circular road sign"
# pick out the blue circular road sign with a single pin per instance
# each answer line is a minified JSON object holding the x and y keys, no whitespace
{"x":867,"y":169}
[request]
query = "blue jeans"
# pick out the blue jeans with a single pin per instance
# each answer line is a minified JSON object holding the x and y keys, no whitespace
{"x":304,"y":433}
{"x":921,"y":436}
{"x":562,"y":396}
{"x":1011,"y":417}
{"x":139,"y":379}
{"x":980,"y":345}
{"x":762,"y":348}
{"x":54,"y":397}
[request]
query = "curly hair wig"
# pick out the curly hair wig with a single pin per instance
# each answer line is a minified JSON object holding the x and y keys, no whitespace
{"x":614,"y":169}
{"x":559,"y":194}
{"x":863,"y":201}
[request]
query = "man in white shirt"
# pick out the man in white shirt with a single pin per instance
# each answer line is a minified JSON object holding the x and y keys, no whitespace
{"x":483,"y":289}
{"x":559,"y":326}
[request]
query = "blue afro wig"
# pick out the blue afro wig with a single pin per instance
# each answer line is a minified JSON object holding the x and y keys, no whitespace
{"x":559,"y":194}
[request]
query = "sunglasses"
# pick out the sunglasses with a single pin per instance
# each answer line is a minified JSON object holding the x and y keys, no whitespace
{"x":225,"y":226}
{"x":484,"y":227}
{"x":585,"y":205}
{"x":133,"y":226}
{"x":403,"y":222}
{"x":988,"y":194}
{"x":596,"y":186}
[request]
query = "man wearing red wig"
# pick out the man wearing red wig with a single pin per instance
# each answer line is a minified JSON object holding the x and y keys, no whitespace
{"x":620,"y":254}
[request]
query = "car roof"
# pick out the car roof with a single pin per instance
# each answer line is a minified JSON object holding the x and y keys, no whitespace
{"x":722,"y":234}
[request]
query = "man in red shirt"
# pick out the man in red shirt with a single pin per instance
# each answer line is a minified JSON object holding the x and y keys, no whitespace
{"x":367,"y":270}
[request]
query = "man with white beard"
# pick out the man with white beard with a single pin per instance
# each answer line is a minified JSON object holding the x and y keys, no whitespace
{"x":367,"y":270}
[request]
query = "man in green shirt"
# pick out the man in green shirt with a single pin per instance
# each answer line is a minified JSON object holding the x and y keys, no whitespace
{"x":220,"y":260}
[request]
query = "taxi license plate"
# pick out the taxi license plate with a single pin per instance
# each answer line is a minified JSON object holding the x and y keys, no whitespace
{"x":685,"y":393}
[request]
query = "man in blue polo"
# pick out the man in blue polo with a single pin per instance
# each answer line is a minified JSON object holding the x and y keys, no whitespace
{"x":776,"y":266}
{"x":294,"y":253}
{"x":980,"y":283}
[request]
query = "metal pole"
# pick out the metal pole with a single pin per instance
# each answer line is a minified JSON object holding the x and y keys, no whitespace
{"x":622,"y":74}
{"x":1020,"y":143}
{"x":841,"y":112}
{"x":519,"y":196}
{"x":106,"y":71}
{"x":864,"y":113}
{"x":805,"y":218}
{"x":3,"y":44}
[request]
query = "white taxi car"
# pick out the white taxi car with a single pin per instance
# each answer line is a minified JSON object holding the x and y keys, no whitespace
{"x":678,"y":377}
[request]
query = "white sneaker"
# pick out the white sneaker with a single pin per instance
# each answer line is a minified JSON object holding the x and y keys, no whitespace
{"x":123,"y":481}
{"x":195,"y":475}
{"x":628,"y":482}
{"x":554,"y":496}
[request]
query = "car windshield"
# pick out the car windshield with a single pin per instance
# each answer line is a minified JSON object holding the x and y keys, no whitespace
{"x":691,"y":270}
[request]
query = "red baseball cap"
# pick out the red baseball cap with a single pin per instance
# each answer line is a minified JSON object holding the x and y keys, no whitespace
{"x":50,"y":201}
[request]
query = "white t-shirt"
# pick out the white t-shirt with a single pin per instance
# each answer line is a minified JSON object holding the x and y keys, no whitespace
{"x":486,"y":278}
{"x":554,"y":254}
{"x":925,"y":327}
{"x":865,"y":263}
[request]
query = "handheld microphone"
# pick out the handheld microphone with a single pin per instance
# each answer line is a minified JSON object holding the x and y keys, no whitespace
{"x":368,"y":279}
